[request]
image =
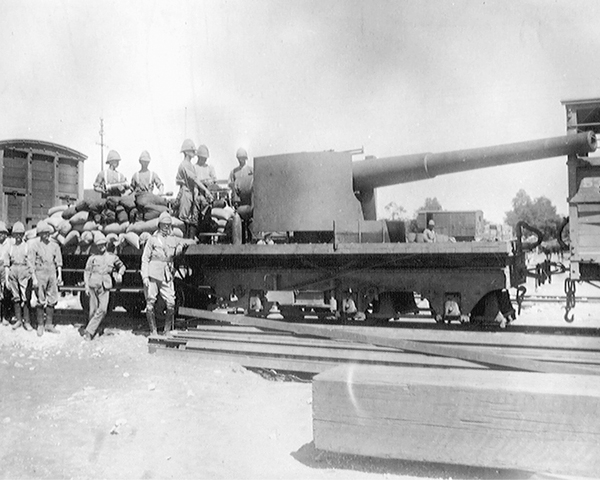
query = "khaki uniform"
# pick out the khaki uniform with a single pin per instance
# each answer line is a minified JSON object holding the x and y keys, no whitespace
{"x":110,"y":177}
{"x":98,"y":281}
{"x":44,"y":260}
{"x":19,"y":272}
{"x":145,"y":181}
{"x":157,"y":267}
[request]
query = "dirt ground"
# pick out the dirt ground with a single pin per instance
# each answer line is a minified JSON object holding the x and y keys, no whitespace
{"x":108,"y":409}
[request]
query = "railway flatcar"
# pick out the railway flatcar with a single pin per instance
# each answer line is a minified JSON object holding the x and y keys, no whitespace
{"x":321,"y":208}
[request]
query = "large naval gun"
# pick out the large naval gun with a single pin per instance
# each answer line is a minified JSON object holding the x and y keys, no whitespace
{"x":321,"y":207}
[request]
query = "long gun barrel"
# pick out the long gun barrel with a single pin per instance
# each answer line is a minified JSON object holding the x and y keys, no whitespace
{"x":381,"y":172}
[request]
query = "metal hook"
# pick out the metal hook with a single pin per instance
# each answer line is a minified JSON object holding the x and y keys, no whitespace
{"x":567,"y":318}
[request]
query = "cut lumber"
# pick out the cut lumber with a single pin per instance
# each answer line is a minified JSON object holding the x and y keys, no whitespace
{"x":383,"y":339}
{"x":511,"y":420}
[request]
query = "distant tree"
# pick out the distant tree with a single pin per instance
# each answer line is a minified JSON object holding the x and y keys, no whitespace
{"x":394,"y":211}
{"x":431,"y":204}
{"x":539,"y":213}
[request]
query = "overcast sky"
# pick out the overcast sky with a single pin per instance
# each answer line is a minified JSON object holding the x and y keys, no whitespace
{"x":394,"y":77}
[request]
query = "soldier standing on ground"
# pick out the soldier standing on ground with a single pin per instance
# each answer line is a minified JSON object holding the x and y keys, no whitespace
{"x":100,"y":270}
{"x":18,"y":275}
{"x":4,"y":306}
{"x":157,"y":271}
{"x":45,"y":261}
{"x":110,"y":181}
{"x":146,"y":180}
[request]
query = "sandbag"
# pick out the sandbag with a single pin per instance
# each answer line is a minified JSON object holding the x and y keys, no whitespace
{"x":177,"y":232}
{"x":122,"y":216}
{"x":91,"y":225}
{"x":64,"y":227}
{"x":79,"y":218}
{"x":143,"y":199}
{"x":144,"y":236}
{"x":127,"y":202}
{"x":132,"y":239}
{"x":68,"y":213}
{"x":143,"y":226}
{"x":112,"y":239}
{"x":112,"y":202}
{"x":150,"y":215}
{"x":86,"y":237}
{"x":115,"y":228}
{"x":81,"y":205}
{"x":58,"y":208}
{"x":54,"y":221}
{"x":222,"y":213}
{"x":72,"y":238}
{"x":97,"y":206}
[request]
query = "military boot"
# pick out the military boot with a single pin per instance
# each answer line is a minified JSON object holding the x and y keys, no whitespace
{"x":49,"y":320}
{"x":151,"y":321}
{"x":169,"y":320}
{"x":18,"y":316}
{"x":26,"y":321}
{"x":40,"y":321}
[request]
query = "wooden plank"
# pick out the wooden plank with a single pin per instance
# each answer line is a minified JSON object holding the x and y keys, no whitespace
{"x":510,"y":420}
{"x":383,"y":339}
{"x":327,"y":354}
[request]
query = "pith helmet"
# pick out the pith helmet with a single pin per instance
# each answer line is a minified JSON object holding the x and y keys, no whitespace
{"x":113,"y":156}
{"x":3,"y":228}
{"x":188,"y":146}
{"x":99,"y":239}
{"x":241,"y":153}
{"x":144,"y":157}
{"x":202,"y":151}
{"x":18,"y":227}
{"x":165,"y":218}
{"x":43,"y":227}
{"x":431,"y":223}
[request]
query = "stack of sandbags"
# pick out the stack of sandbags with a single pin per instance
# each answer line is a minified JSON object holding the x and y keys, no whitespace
{"x":220,"y":216}
{"x":127,"y":220}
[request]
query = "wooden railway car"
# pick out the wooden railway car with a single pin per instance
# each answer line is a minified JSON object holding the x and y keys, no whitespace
{"x":584,"y":200}
{"x":36,"y":175}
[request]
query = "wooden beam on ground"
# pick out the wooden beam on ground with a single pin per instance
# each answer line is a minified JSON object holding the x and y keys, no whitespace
{"x":510,"y":420}
{"x":383,"y":339}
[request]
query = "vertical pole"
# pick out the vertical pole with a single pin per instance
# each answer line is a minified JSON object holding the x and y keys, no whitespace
{"x":101,"y":144}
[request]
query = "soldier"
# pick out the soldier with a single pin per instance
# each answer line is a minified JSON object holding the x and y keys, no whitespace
{"x":241,"y":180}
{"x":429,"y":235}
{"x":45,"y":261}
{"x":18,"y":275}
{"x":146,"y":180}
{"x":4,"y":296}
{"x":157,"y":270}
{"x":188,"y":183}
{"x":110,"y":181}
{"x":100,"y":269}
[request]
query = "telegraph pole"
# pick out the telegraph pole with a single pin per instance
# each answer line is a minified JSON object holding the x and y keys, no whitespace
{"x":101,"y":144}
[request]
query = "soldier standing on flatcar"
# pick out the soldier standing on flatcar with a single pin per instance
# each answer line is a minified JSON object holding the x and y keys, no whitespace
{"x":100,"y":269}
{"x":146,"y":180}
{"x":157,"y":271}
{"x":185,"y":208}
{"x":111,"y":182}
{"x":241,"y":180}
{"x":4,"y":294}
{"x":18,"y":275}
{"x":45,"y":261}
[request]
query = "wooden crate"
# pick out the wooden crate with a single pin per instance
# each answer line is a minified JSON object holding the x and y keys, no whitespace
{"x":511,"y":420}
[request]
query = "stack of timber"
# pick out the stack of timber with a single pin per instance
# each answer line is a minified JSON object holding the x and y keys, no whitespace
{"x":314,"y":348}
{"x":528,"y":421}
{"x":503,"y":400}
